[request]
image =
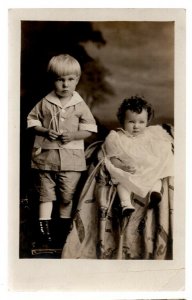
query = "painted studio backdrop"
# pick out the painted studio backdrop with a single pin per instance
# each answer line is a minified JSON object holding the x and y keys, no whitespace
{"x":118,"y":60}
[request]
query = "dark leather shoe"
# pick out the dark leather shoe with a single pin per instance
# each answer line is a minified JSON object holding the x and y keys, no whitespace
{"x":155,"y":198}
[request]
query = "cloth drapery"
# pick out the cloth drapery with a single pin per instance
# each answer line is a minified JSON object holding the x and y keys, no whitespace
{"x":100,"y":232}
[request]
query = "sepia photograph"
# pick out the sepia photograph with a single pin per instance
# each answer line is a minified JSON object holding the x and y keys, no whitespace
{"x":99,"y":138}
{"x":123,"y":72}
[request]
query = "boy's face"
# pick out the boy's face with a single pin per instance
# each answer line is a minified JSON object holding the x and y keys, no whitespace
{"x":135,"y":123}
{"x":65,"y":85}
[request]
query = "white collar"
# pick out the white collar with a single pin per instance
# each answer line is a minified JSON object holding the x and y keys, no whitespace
{"x":128,"y":134}
{"x":52,"y":97}
{"x":125,"y":132}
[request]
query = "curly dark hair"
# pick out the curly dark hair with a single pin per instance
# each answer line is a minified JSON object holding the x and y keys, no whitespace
{"x":134,"y":104}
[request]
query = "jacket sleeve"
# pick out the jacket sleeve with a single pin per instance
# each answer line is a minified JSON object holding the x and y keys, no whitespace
{"x":86,"y":121}
{"x":35,"y":116}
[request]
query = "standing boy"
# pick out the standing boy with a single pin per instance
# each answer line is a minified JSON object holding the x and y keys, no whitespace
{"x":61,"y":121}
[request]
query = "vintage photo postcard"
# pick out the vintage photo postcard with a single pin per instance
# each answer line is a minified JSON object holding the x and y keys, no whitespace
{"x":96,"y":150}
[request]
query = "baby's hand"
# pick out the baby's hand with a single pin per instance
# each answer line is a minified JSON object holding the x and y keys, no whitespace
{"x":129,"y":169}
{"x":52,"y":134}
{"x":67,"y":137}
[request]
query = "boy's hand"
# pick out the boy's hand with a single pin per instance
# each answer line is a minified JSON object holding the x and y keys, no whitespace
{"x":52,"y":134}
{"x":67,"y":137}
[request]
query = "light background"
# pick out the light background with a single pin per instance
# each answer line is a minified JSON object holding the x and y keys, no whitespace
{"x":4,"y":151}
{"x":140,"y":59}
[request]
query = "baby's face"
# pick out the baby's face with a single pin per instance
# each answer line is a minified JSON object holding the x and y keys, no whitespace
{"x":65,"y":85}
{"x":135,"y":123}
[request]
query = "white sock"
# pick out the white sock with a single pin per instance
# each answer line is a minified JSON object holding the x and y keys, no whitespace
{"x":45,"y":210}
{"x":124,"y":196}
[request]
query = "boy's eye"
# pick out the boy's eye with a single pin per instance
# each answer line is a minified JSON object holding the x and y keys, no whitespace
{"x":131,"y":121}
{"x":72,"y":78}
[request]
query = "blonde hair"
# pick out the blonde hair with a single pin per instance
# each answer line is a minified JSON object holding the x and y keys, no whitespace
{"x":63,"y":64}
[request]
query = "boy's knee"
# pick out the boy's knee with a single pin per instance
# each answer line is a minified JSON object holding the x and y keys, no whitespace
{"x":67,"y":198}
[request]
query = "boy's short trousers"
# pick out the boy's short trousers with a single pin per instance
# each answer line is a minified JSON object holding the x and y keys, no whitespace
{"x":64,"y":183}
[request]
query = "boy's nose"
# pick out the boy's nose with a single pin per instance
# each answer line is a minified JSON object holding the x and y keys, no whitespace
{"x":65,"y":83}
